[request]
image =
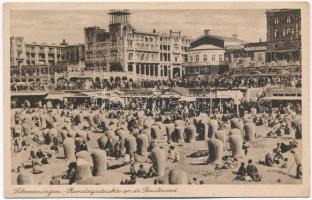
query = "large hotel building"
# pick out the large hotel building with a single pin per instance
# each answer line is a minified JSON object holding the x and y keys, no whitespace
{"x":125,"y":53}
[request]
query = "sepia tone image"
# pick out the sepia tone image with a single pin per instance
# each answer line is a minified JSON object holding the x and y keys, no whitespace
{"x":150,"y":96}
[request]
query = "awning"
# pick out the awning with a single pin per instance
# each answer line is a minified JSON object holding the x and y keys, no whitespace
{"x":283,"y":98}
{"x":76,"y":95}
{"x":55,"y":96}
{"x":28,"y":93}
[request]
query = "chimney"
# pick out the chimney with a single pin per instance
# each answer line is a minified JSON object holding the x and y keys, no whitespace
{"x":234,"y":36}
{"x":154,"y":30}
{"x":260,"y":40}
{"x":206,"y":32}
{"x":170,"y":31}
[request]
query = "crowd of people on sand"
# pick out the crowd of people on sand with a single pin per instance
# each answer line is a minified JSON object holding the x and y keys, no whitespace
{"x":149,"y":142}
{"x":224,"y":81}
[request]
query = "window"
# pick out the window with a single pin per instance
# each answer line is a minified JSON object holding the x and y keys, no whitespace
{"x":288,"y":20}
{"x":161,"y":47}
{"x":205,"y":57}
{"x":130,"y":56}
{"x":275,"y":20}
{"x":165,"y":71}
{"x":220,"y":57}
{"x":165,"y":57}
{"x":185,"y":58}
{"x":275,"y":33}
{"x":197,"y":58}
{"x":289,"y":31}
{"x":130,"y":68}
{"x":137,"y":69}
{"x":213,"y":57}
{"x":191,"y":58}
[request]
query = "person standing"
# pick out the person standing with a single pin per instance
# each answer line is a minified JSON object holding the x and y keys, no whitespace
{"x":298,"y":163}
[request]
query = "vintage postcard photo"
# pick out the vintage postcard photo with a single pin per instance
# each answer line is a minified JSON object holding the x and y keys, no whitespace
{"x":156,"y":99}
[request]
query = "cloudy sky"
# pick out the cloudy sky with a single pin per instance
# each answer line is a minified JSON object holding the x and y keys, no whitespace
{"x":51,"y":26}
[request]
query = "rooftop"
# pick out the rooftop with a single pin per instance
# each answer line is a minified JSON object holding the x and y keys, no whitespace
{"x":206,"y":47}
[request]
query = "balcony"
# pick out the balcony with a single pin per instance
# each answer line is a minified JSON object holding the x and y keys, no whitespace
{"x":205,"y":63}
{"x":147,"y":49}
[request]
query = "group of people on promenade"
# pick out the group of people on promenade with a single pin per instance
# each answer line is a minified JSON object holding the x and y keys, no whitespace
{"x":225,"y":81}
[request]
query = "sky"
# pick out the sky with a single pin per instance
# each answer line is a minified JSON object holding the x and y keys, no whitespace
{"x":51,"y":26}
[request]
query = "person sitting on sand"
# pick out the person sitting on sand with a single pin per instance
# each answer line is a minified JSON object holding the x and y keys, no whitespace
{"x":173,"y":154}
{"x":242,"y":172}
{"x":252,"y":171}
{"x":71,"y":173}
{"x":278,"y":155}
{"x":132,"y":169}
{"x":131,"y":181}
{"x":151,"y":172}
{"x":55,"y":180}
{"x":284,"y":163}
{"x":193,"y":181}
{"x":268,"y":161}
{"x":141,"y":172}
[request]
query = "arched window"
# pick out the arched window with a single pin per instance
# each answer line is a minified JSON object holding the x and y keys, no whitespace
{"x":276,"y":33}
{"x":275,"y":20}
{"x":288,"y":20}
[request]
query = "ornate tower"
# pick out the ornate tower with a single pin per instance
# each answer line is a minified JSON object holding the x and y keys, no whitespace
{"x":118,"y":20}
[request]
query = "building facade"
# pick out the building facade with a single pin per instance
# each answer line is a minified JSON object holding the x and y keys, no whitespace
{"x":207,"y":54}
{"x":35,"y":54}
{"x":75,"y":57}
{"x":283,"y":35}
{"x":125,"y":53}
{"x":247,"y":55}
{"x":28,"y":61}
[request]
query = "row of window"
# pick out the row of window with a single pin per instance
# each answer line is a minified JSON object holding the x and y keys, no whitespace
{"x":144,"y":57}
{"x":150,"y":70}
{"x":164,"y":56}
{"x":204,"y":58}
{"x":165,"y":47}
{"x":42,"y":49}
{"x":286,"y":20}
{"x":283,"y":32}
{"x":145,"y":38}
